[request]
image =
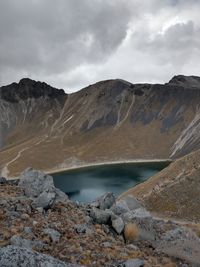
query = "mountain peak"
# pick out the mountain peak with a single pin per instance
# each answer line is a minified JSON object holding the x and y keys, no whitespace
{"x":26,"y":80}
{"x":27,"y":88}
{"x":186,"y":81}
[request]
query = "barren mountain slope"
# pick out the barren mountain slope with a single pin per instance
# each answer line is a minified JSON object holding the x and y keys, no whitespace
{"x":175,"y":191}
{"x":112,"y":120}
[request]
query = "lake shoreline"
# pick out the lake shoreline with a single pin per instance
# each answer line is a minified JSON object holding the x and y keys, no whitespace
{"x":107,"y":163}
{"x":96,"y":164}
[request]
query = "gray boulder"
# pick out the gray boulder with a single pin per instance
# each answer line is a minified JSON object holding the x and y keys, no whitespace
{"x":60,"y":195}
{"x":120,"y":207}
{"x":26,"y":243}
{"x":40,"y":188}
{"x":105,"y":202}
{"x":83,"y":229}
{"x":44,"y":200}
{"x":53,"y":234}
{"x":100,"y":216}
{"x":132,"y":203}
{"x":35,"y":182}
{"x":12,"y":256}
{"x":118,"y":225}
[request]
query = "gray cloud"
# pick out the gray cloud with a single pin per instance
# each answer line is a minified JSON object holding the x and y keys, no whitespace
{"x":72,"y":43}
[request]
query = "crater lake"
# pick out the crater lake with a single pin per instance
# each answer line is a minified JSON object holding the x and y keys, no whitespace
{"x":87,"y":183}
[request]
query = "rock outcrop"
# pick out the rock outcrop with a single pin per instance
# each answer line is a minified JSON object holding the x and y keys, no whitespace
{"x":27,"y":89}
{"x":40,"y":188}
{"x":166,"y":237}
{"x":105,"y":202}
{"x":13,"y":256}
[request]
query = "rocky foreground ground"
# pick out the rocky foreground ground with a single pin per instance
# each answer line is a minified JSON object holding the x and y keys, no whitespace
{"x":41,"y":227}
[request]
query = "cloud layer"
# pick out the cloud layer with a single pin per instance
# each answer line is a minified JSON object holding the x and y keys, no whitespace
{"x":73,"y":43}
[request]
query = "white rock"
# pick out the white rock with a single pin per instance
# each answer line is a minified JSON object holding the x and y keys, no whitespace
{"x":118,"y":225}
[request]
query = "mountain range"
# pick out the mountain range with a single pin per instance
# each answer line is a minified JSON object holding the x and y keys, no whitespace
{"x":112,"y":120}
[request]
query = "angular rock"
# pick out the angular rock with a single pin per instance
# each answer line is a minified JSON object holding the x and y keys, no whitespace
{"x":35,"y":182}
{"x":12,"y":256}
{"x":20,"y":208}
{"x":83,"y":229}
{"x":100,"y":216}
{"x":132,"y":203}
{"x":60,"y":196}
{"x":53,"y":234}
{"x":120,"y":208}
{"x":105,"y":202}
{"x":118,"y":225}
{"x":40,"y":188}
{"x":44,"y":200}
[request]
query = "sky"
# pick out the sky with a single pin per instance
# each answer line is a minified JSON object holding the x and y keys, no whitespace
{"x":73,"y":43}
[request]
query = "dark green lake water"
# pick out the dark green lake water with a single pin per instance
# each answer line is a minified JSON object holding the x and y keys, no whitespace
{"x":86,"y":184}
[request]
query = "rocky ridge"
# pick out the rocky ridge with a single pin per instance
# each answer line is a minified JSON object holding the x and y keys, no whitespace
{"x":161,"y":121}
{"x":40,"y":227}
{"x":26,"y":89}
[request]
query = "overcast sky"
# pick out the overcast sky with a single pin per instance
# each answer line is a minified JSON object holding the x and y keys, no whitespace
{"x":73,"y":43}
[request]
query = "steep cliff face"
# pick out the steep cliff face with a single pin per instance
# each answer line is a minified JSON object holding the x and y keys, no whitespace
{"x":43,"y":127}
